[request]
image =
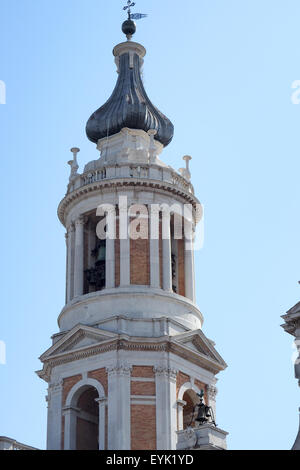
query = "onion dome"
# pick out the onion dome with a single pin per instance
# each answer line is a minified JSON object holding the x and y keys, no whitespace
{"x":129,"y":105}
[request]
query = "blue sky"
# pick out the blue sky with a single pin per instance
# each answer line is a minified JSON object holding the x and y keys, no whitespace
{"x":222,"y":71}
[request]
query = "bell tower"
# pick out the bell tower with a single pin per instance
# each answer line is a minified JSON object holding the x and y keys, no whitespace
{"x":130,"y":360}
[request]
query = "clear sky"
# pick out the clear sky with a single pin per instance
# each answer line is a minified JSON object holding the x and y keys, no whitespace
{"x":222,"y":71}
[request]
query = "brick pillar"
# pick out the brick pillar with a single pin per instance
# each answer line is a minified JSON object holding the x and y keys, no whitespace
{"x":124,"y":244}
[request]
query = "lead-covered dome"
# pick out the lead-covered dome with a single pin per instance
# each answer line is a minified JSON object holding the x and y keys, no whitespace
{"x":129,"y":105}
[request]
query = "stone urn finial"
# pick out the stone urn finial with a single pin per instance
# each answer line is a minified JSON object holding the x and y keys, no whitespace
{"x":185,"y":172}
{"x":73,"y":163}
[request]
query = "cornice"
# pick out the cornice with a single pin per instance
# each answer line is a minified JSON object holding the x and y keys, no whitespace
{"x":138,"y":344}
{"x":124,"y":183}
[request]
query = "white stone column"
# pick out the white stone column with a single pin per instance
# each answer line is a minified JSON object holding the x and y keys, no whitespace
{"x":212,"y":394}
{"x":124,"y":243}
{"x":70,"y":239}
{"x":166,"y":253}
{"x":110,"y":251}
{"x":79,"y":256}
{"x":180,"y":405}
{"x":189,"y":262}
{"x":54,"y":416}
{"x":119,"y":428}
{"x":166,"y":408}
{"x":102,"y":401}
{"x":70,"y":413}
{"x":154,"y":248}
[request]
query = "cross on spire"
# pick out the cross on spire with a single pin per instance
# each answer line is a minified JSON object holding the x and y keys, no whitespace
{"x":130,"y":4}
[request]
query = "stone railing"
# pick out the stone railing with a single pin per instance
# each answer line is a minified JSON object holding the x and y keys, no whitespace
{"x":10,"y":444}
{"x":205,"y":437}
{"x":143,"y":171}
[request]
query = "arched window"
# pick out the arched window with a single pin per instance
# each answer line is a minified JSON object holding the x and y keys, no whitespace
{"x":191,"y":399}
{"x":95,"y":258}
{"x":87,"y":425}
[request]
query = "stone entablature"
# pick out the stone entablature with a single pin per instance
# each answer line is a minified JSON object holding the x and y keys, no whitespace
{"x":173,"y":187}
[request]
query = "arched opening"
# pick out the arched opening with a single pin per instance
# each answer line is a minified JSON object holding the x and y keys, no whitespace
{"x":191,"y":399}
{"x":87,"y":424}
{"x":94,"y":258}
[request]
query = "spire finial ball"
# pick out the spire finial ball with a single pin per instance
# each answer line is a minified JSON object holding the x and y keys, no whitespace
{"x":129,"y":28}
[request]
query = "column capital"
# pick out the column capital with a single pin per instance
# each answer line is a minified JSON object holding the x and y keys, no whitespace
{"x":70,"y":409}
{"x":81,"y":220}
{"x":181,"y":403}
{"x":166,"y":372}
{"x":119,"y":369}
{"x":55,"y":387}
{"x":71,"y":228}
{"x":212,"y":392}
{"x":101,"y":400}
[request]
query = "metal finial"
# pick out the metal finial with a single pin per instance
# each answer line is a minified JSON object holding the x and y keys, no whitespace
{"x":129,"y":27}
{"x":128,"y":8}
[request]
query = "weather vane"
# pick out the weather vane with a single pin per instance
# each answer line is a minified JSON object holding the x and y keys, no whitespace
{"x":133,"y":16}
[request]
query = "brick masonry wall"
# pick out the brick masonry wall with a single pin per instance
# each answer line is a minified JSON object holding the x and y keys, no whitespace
{"x":184,"y":378}
{"x":143,"y":372}
{"x":143,"y":388}
{"x":140,"y":258}
{"x":181,"y":380}
{"x":101,"y":376}
{"x":143,"y":427}
{"x":68,"y":384}
{"x":143,"y":417}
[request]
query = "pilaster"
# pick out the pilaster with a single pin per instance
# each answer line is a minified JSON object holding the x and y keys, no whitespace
{"x":166,"y":408}
{"x":54,"y":400}
{"x":119,"y":434}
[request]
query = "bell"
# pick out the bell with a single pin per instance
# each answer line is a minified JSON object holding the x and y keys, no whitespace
{"x":202,"y":414}
{"x":205,"y":413}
